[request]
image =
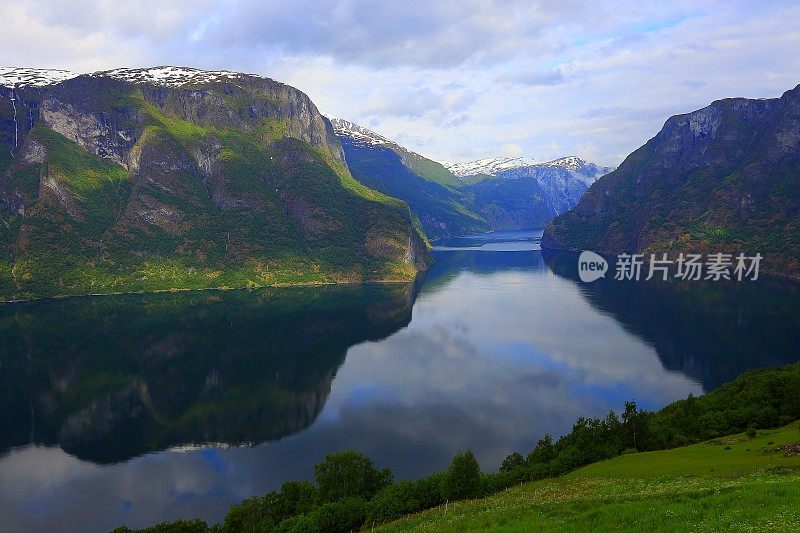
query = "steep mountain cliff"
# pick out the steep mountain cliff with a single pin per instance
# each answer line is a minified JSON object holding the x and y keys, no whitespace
{"x":725,"y":178}
{"x":429,"y":188}
{"x":170,"y":178}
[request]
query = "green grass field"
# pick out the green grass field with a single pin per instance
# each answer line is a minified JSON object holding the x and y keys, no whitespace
{"x":734,"y":483}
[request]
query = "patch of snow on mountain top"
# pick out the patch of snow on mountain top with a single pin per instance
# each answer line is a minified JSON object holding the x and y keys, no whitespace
{"x":170,"y":76}
{"x":570,"y":163}
{"x":164,"y":75}
{"x":489,"y":166}
{"x":359,"y":134}
{"x":32,"y":77}
{"x":496,"y":165}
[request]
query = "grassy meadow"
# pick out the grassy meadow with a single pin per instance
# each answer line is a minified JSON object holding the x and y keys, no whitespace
{"x":739,"y":482}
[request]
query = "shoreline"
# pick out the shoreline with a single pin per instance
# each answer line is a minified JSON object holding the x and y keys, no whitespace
{"x":205,"y":289}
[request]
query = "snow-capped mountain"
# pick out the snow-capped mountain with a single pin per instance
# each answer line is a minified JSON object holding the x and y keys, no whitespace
{"x":563,"y":180}
{"x":171,"y":76}
{"x":358,"y":134}
{"x":513,"y":167}
{"x":487,"y":167}
{"x":570,"y":162}
{"x":581,"y":170}
{"x":166,"y":76}
{"x":32,"y":77}
{"x":177,"y":164}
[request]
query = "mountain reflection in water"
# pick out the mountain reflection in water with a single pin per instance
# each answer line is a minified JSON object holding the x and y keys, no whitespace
{"x":140,"y":409}
{"x":113,"y":377}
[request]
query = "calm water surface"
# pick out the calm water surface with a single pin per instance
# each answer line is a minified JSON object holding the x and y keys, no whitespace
{"x":134,"y":410}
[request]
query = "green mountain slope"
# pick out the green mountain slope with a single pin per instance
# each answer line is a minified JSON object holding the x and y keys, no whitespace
{"x":725,"y":178}
{"x":121,"y":181}
{"x":429,"y":188}
{"x":735,"y":482}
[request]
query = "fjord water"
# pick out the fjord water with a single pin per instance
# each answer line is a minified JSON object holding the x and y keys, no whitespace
{"x":138,"y":409}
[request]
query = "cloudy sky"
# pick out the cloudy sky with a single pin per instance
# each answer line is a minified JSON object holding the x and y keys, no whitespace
{"x":453,"y":80}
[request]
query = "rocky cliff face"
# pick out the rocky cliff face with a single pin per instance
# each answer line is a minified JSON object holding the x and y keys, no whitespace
{"x":177,"y":178}
{"x":725,"y":178}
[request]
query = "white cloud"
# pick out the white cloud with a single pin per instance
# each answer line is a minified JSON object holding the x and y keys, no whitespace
{"x":596,"y":79}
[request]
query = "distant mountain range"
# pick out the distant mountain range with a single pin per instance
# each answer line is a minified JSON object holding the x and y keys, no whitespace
{"x":563,"y":181}
{"x":174,"y":178}
{"x":433,"y":192}
{"x":725,"y":178}
{"x":453,"y":199}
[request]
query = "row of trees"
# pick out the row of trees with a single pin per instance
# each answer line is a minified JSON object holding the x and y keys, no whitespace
{"x":351,"y":493}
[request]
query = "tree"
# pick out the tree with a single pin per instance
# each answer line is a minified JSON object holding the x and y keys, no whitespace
{"x":512,"y":462}
{"x":544,"y":452}
{"x":349,"y":474}
{"x":297,"y":497}
{"x":248,"y":515}
{"x":630,"y":421}
{"x":462,"y":479}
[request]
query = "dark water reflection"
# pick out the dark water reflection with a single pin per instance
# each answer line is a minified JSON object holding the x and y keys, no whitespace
{"x":710,"y":331}
{"x":111,"y":378}
{"x":139,"y":405}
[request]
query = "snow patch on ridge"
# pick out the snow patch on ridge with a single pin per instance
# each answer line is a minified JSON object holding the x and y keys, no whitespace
{"x":495,"y":165}
{"x":489,"y":166}
{"x":32,"y":77}
{"x":359,"y":134}
{"x":171,"y":76}
{"x":164,"y":76}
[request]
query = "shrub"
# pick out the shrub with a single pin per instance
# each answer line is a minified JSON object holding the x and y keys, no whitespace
{"x":494,"y":483}
{"x":427,"y":490}
{"x":392,"y":502}
{"x":541,"y":470}
{"x":179,"y":526}
{"x":340,"y":516}
{"x":298,"y":524}
{"x":262,"y":513}
{"x":462,"y":479}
